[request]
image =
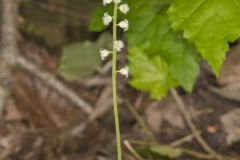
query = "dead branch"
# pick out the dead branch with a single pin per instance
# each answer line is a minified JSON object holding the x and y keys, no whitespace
{"x":8,"y":49}
{"x":53,"y":82}
{"x":132,"y":150}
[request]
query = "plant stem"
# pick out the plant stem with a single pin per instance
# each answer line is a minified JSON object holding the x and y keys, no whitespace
{"x":114,"y":84}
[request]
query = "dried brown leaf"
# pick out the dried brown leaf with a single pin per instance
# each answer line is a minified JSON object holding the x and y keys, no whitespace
{"x":231,"y":124}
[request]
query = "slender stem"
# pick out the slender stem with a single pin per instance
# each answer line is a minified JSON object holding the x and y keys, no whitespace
{"x":114,"y":84}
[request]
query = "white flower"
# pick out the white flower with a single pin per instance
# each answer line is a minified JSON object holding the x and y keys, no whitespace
{"x":107,"y":19}
{"x":118,"y":45}
{"x":105,"y":2}
{"x":124,"y":8}
{"x":104,"y":53}
{"x":124,"y":24}
{"x":117,"y":1}
{"x":124,"y":71}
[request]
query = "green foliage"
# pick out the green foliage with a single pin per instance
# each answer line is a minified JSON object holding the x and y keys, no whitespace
{"x":82,"y":59}
{"x":199,"y":26}
{"x":150,"y":74}
{"x":209,"y":24}
{"x":159,"y":152}
{"x":150,"y":27}
{"x":150,"y":19}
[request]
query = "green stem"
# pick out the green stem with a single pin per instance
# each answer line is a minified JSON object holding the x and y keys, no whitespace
{"x":114,"y":84}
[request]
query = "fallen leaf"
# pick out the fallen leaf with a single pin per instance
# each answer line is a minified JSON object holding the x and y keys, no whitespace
{"x":166,"y":110}
{"x":230,"y":76}
{"x":12,"y":112}
{"x":231,"y":125}
{"x":230,"y":91}
{"x":230,"y":71}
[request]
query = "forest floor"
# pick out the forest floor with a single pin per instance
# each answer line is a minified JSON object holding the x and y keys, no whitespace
{"x":42,"y":124}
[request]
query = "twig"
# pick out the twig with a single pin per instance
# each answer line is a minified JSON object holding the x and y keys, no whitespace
{"x":141,"y":121}
{"x":8,"y":48}
{"x":150,"y":134}
{"x":132,"y":150}
{"x":183,"y":140}
{"x":196,"y":154}
{"x":52,"y":81}
{"x":193,"y":128}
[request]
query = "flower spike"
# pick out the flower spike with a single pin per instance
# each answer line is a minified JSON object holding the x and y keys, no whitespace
{"x":117,"y":46}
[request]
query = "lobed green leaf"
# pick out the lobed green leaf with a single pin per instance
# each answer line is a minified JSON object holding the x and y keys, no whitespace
{"x":210,"y":24}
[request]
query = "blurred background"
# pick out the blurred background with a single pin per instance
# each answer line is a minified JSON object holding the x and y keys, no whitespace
{"x":57,"y":95}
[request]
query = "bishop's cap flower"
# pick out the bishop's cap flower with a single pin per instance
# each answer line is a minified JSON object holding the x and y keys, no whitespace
{"x":124,"y":24}
{"x":107,"y":19}
{"x":104,"y":53}
{"x":105,"y":2}
{"x":124,"y":71}
{"x":117,"y":1}
{"x":124,"y":8}
{"x":118,"y":45}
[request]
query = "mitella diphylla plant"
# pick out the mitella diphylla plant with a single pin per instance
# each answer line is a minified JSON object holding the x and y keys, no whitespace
{"x":118,"y":46}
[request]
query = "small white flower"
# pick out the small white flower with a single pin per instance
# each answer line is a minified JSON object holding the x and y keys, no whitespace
{"x":124,"y":71}
{"x":124,"y":24}
{"x":117,"y":1}
{"x":105,"y":2}
{"x":124,"y":8}
{"x":107,"y":19}
{"x":118,"y":45}
{"x":104,"y":53}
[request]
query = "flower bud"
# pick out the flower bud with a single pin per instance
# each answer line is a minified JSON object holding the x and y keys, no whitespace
{"x":118,"y":45}
{"x":117,"y":1}
{"x":124,"y":8}
{"x":105,"y":2}
{"x":124,"y":24}
{"x":124,"y":71}
{"x":104,"y":53}
{"x":107,"y":19}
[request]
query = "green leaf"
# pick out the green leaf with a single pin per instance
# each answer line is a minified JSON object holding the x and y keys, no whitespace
{"x":150,"y":74}
{"x":150,"y":27}
{"x":82,"y":59}
{"x":160,"y":151}
{"x":210,"y":24}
